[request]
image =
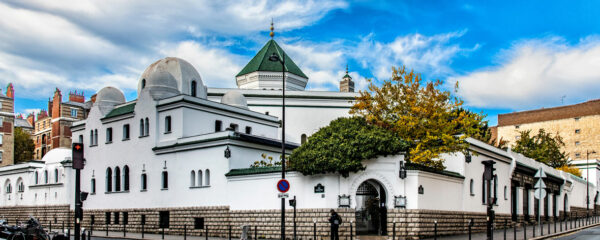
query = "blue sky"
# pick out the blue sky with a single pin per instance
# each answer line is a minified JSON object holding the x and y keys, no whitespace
{"x":506,"y":55}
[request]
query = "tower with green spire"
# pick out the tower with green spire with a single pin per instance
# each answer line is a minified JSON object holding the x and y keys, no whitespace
{"x":260,"y":73}
{"x":347,"y":85}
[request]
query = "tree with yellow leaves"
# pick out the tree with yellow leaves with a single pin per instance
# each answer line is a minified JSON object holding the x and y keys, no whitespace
{"x":431,"y":120}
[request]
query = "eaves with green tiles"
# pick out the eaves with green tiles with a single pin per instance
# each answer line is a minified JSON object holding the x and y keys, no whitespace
{"x":261,"y":62}
{"x":120,"y":111}
{"x":252,"y":171}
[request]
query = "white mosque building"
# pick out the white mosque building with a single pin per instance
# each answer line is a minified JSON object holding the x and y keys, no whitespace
{"x":180,"y":154}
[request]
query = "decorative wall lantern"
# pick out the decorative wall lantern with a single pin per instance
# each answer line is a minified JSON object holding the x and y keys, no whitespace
{"x":421,"y":190}
{"x":344,"y":200}
{"x":468,"y":157}
{"x":400,"y":201}
{"x":402,"y":172}
{"x":227,"y":152}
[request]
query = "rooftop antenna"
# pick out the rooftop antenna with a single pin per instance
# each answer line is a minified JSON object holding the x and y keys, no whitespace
{"x":562,"y":99}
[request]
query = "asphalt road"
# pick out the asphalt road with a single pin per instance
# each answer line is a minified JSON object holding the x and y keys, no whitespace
{"x":587,"y":234}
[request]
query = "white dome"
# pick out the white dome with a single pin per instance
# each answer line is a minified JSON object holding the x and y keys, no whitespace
{"x":235,"y":98}
{"x":182,"y":71}
{"x":108,"y":97}
{"x":57,"y":155}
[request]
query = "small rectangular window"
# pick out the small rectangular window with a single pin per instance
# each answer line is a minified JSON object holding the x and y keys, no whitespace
{"x":125,"y":218}
{"x":165,"y":180}
{"x":107,"y":217}
{"x":517,"y":126}
{"x":218,"y":125}
{"x":234,"y":127}
{"x":577,"y":131}
{"x":73,"y":112}
{"x":108,"y":135}
{"x":248,"y":130}
{"x":577,"y":143}
{"x":163,"y":219}
{"x":93,"y":190}
{"x":199,"y":223}
{"x":167,"y":124}
{"x":577,"y":118}
{"x":126,"y":132}
{"x":577,"y":155}
{"x":144,"y":182}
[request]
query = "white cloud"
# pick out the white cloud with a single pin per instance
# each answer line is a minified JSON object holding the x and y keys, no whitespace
{"x":88,"y":44}
{"x":217,"y":67}
{"x":430,"y":54}
{"x":535,"y":73}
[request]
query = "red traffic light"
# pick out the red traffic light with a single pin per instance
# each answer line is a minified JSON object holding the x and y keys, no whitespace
{"x":77,"y":155}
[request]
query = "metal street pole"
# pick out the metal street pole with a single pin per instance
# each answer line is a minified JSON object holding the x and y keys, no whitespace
{"x":587,"y":188}
{"x":282,"y":61}
{"x":78,"y":209}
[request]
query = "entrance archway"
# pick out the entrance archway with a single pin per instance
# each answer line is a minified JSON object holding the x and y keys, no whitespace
{"x":371,"y":209}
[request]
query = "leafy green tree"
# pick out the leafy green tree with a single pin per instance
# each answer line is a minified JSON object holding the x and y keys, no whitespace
{"x":421,"y":113}
{"x":543,"y":147}
{"x":343,"y":145}
{"x":24,"y":146}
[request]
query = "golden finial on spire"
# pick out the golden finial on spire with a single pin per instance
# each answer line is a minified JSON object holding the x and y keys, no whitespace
{"x":272,"y":34}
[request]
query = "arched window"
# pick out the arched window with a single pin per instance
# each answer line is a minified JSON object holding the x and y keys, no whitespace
{"x":147,"y":127}
{"x":8,"y":187}
{"x":95,"y":136}
{"x":505,"y":193}
{"x":303,"y":138}
{"x":566,"y":203}
{"x":46,"y":176}
{"x":200,"y":178}
{"x":144,"y":182}
{"x":167,"y":124}
{"x":207,"y":177}
{"x":37,"y":178}
{"x":20,"y":186}
{"x":56,"y":175}
{"x":80,"y":138}
{"x":165,"y":180}
{"x":143,"y":83}
{"x":117,"y":179}
{"x":193,"y":88}
{"x":93,"y":186}
{"x":141,"y":127}
{"x":91,"y":137}
{"x":126,"y":178}
{"x":192,"y":178}
{"x":471,"y":187}
{"x":108,"y":180}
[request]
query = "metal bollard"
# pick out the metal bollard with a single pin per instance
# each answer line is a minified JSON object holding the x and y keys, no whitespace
{"x":143,"y":230}
{"x":435,"y":230}
{"x":549,"y":227}
{"x":524,"y":230}
{"x":255,"y":232}
{"x":541,"y":228}
{"x":505,"y":221}
{"x":314,"y":229}
{"x":229,"y":232}
{"x":163,"y":233}
{"x":515,"y":231}
{"x":68,"y":233}
{"x":206,"y":235}
{"x":470,"y":223}
{"x":50,"y":226}
{"x":89,"y":235}
{"x":393,"y":230}
{"x":184,"y":232}
{"x":63,"y":227}
{"x":124,"y":229}
{"x":554,"y":225}
{"x":107,"y":229}
{"x":534,"y":229}
{"x":352,"y":230}
{"x":560,"y":225}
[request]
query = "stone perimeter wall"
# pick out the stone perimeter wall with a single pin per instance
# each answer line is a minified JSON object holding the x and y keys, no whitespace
{"x":412,"y":224}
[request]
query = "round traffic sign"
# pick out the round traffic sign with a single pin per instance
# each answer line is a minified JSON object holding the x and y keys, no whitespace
{"x":283,"y":185}
{"x":539,"y":195}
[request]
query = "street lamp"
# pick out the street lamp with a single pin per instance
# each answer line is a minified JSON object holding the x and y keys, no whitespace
{"x":275,"y":58}
{"x":587,"y":183}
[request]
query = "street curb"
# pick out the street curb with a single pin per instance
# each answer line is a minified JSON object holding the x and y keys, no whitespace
{"x":565,"y":232}
{"x":115,"y":237}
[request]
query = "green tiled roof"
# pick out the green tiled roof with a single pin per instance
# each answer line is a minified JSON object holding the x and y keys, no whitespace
{"x":261,"y":62}
{"x":121,"y":110}
{"x":416,"y":166}
{"x":250,"y":171}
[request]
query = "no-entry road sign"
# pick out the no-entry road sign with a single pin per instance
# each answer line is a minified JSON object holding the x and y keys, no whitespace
{"x":283,"y":185}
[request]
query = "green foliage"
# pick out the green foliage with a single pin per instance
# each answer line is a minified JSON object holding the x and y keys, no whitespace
{"x":24,"y":146}
{"x":421,"y":113}
{"x":542,"y":147}
{"x":343,"y":145}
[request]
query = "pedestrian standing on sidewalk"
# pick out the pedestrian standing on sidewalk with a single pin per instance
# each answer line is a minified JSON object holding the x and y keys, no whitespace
{"x":335,"y":221}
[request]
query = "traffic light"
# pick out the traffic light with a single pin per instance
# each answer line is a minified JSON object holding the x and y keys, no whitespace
{"x":488,"y":172}
{"x":77,"y":156}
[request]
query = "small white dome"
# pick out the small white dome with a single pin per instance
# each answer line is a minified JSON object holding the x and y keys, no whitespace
{"x":183,"y":72}
{"x":235,"y":98}
{"x":57,"y":155}
{"x":108,"y":97}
